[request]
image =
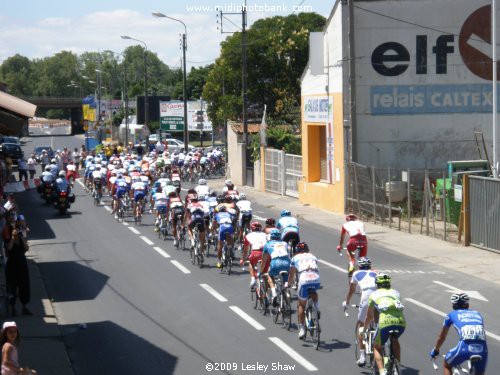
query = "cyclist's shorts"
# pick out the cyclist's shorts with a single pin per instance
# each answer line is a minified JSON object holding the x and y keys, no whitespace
{"x":382,"y":333}
{"x":180,"y":163}
{"x":177,"y":214}
{"x":139,"y":195}
{"x":120,"y":192}
{"x":245,"y":217}
{"x":464,"y":350}
{"x":225,"y":229}
{"x":290,"y":235}
{"x":199,"y":222}
{"x":162,"y":209}
{"x":356,"y":241}
{"x":307,"y":281}
{"x":255,"y":256}
{"x":278,"y":265}
{"x":363,"y":310}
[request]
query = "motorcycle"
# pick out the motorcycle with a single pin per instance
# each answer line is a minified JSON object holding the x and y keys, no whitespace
{"x":46,"y":190}
{"x":63,"y":200}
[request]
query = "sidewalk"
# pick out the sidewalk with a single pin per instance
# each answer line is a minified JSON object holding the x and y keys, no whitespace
{"x":42,"y":347}
{"x":469,"y":260}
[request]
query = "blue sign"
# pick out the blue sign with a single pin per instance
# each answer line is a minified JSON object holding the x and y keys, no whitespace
{"x":422,"y":99}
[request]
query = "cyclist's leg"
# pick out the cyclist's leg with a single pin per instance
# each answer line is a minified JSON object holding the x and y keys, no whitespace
{"x":201,"y":234}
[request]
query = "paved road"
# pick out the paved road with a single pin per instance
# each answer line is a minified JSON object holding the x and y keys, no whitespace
{"x":147,"y":310}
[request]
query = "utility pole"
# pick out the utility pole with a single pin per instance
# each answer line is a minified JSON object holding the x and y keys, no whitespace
{"x":244,"y":76}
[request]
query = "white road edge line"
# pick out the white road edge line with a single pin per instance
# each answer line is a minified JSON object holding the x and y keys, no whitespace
{"x":255,"y":324}
{"x":180,"y":266}
{"x":292,"y":353}
{"x":214,"y":293}
{"x":133,"y":230}
{"x":107,"y":208}
{"x":81,"y":183}
{"x":332,"y":265}
{"x":145,"y":239}
{"x":161,"y":252}
{"x":438,"y":312}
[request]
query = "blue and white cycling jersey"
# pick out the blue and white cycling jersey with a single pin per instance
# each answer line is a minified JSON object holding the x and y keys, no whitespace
{"x":278,"y":252}
{"x":286,"y":222}
{"x":307,"y":267}
{"x":470,"y":328}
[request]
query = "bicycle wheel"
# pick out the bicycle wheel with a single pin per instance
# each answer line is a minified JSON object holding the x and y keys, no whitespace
{"x":287,"y":309}
{"x":192,"y":254}
{"x":356,"y":344}
{"x":229,"y":260}
{"x":278,"y":310}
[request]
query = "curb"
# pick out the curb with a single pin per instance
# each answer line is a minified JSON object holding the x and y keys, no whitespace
{"x":20,"y":186}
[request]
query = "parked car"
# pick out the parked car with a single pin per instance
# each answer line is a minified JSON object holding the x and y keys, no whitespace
{"x":38,"y":152}
{"x":10,"y":139}
{"x":176,"y":145}
{"x":12,"y":150}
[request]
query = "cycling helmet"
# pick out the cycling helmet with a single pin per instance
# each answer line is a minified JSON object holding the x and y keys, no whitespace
{"x":62,"y":174}
{"x":159,"y":189}
{"x":47,"y":168}
{"x":156,"y":184}
{"x":228,"y":199}
{"x":243,"y":197}
{"x":383,"y":280}
{"x":459,"y":300}
{"x":350,"y":217}
{"x":228,"y":182}
{"x":163,"y":175}
{"x":275,"y":235}
{"x":256,"y":226}
{"x":285,"y":213}
{"x":213,"y":194}
{"x":202,"y":181}
{"x":271,"y":222}
{"x":191,"y":191}
{"x":301,"y":248}
{"x":364,"y":263}
{"x":53,"y":161}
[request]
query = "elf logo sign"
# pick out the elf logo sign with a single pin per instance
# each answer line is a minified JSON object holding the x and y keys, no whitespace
{"x":475,"y":43}
{"x":392,"y":59}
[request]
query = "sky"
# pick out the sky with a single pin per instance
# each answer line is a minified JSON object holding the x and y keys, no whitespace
{"x":41,"y":28}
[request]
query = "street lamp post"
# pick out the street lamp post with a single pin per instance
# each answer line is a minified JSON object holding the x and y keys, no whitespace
{"x":99,"y":92}
{"x":184,"y":91}
{"x":146,"y":106}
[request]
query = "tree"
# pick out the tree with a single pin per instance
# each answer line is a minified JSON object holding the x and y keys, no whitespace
{"x":277,"y":54}
{"x":195,"y":81}
{"x":17,"y":73}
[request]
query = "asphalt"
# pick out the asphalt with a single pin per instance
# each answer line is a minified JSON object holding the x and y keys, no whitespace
{"x":42,"y":347}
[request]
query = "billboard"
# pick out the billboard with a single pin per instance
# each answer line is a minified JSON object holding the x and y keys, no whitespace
{"x":172,"y":116}
{"x":423,"y":81}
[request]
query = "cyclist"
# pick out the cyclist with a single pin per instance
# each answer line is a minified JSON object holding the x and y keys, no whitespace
{"x":289,"y":227}
{"x":275,"y":258}
{"x":228,"y":186}
{"x":161,"y":201}
{"x":176,"y":209}
{"x":355,"y":229}
{"x":98,"y":179}
{"x":224,"y":222}
{"x":365,"y":279}
{"x":254,"y":242}
{"x":120,"y":188}
{"x":139,"y":190}
{"x":470,"y":328}
{"x":202,"y":189}
{"x":386,"y":302}
{"x":306,"y":265}
{"x":195,"y":216}
{"x":245,"y":214}
{"x":270,"y":225}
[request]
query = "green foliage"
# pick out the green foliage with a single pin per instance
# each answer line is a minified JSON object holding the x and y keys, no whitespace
{"x":153,"y":126}
{"x":277,"y":55}
{"x":195,"y":82}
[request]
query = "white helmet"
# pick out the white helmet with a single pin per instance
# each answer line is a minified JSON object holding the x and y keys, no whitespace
{"x":202,"y":181}
{"x":228,"y":182}
{"x":62,"y":174}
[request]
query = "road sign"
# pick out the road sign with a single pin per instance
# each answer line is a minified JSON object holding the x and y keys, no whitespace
{"x":475,"y":43}
{"x":172,"y":123}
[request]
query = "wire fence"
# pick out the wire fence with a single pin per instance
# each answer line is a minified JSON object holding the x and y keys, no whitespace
{"x":412,"y":200}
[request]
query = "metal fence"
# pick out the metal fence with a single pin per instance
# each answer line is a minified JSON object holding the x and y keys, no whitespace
{"x":484,"y":211}
{"x":409,"y":199}
{"x":282,"y":172}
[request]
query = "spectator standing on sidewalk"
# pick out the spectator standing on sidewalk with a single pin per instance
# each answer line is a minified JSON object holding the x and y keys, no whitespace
{"x":16,"y":270}
{"x":65,"y":156}
{"x":32,"y":166}
{"x":10,"y":339}
{"x":44,"y":159}
{"x":76,"y":158}
{"x":22,"y":167}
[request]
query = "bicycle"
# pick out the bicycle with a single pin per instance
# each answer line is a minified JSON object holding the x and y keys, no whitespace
{"x":284,"y":301}
{"x":162,"y":226}
{"x":97,"y":194}
{"x":139,"y":209}
{"x":391,"y":363}
{"x":459,"y":369}
{"x":195,"y":251}
{"x":121,"y":211}
{"x":227,"y":258}
{"x":312,"y":320}
{"x":368,"y":337}
{"x":259,"y":293}
{"x":181,"y":233}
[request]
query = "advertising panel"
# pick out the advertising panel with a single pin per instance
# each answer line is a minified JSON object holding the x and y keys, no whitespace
{"x":172,"y":116}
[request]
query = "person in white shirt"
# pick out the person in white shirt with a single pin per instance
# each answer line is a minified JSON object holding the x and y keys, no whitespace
{"x":32,"y":166}
{"x":245,"y":216}
{"x":202,"y":189}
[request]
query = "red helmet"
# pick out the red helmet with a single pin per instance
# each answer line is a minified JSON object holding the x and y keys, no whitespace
{"x":350,"y":217}
{"x":256,"y":226}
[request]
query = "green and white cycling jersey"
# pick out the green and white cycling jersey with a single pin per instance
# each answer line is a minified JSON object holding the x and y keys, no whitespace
{"x":387,"y":303}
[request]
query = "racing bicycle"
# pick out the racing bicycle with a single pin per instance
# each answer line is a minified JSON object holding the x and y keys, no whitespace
{"x":312,"y":317}
{"x":283,"y":307}
{"x":470,"y":369}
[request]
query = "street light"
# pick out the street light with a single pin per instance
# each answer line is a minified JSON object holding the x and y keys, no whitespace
{"x":146,"y":107}
{"x":184,"y":94}
{"x":125,"y":93}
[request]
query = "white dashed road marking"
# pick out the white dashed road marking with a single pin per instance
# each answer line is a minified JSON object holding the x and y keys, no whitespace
{"x":213,"y":292}
{"x":147,"y":240}
{"x":180,"y":266}
{"x":255,"y":324}
{"x":292,"y":353}
{"x":161,"y":252}
{"x":133,"y":230}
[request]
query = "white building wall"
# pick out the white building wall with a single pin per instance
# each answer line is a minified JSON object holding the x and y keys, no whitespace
{"x":427,"y":113}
